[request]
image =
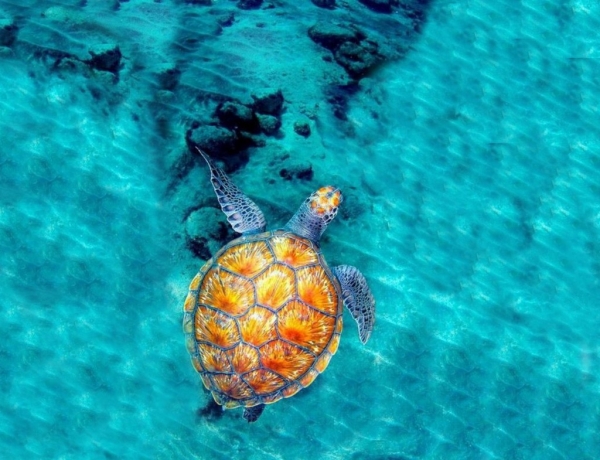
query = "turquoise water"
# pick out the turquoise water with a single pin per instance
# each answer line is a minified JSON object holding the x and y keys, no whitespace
{"x":470,"y":168}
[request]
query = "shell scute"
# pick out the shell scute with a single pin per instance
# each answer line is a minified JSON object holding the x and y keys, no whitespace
{"x":316,"y":289}
{"x":286,"y":359}
{"x":264,"y":381}
{"x":323,"y":362}
{"x":293,"y":252}
{"x":333,"y":345}
{"x":248,"y":259}
{"x":215,"y":328}
{"x":257,"y":326}
{"x":305,"y":326}
{"x":213,"y":359}
{"x":291,"y":389}
{"x":275,"y":286}
{"x":308,"y":378}
{"x":232,"y":385}
{"x":244,"y":358}
{"x":226,"y":291}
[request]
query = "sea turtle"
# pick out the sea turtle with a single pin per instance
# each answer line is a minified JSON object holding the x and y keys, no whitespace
{"x":264,"y":315}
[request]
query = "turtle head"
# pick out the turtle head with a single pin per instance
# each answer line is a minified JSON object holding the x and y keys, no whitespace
{"x":324,"y":203}
{"x":315,"y":214}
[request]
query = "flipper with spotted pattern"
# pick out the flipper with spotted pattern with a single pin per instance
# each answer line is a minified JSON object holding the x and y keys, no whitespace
{"x":358,"y":298}
{"x":252,"y":413}
{"x":242,"y":213}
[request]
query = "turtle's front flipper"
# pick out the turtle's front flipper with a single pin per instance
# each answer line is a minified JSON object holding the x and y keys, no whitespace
{"x":242,"y":213}
{"x":357,"y":298}
{"x":252,"y":413}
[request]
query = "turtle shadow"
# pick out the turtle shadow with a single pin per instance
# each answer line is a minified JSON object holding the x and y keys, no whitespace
{"x":212,"y":411}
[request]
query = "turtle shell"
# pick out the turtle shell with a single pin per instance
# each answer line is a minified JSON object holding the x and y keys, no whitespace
{"x":262,"y":319}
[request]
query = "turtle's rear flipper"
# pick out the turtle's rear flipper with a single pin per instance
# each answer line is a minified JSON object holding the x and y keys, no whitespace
{"x":357,"y":298}
{"x":252,"y":413}
{"x":242,"y":213}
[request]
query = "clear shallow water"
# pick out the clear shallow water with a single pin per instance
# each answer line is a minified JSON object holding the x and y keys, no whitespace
{"x":472,"y":208}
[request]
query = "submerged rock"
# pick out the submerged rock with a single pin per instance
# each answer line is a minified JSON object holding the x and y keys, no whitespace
{"x":351,"y":48}
{"x":330,"y":4}
{"x":302,"y":128}
{"x":8,"y":32}
{"x":168,"y":77}
{"x":338,"y":96}
{"x":380,"y":6}
{"x":205,"y":231}
{"x":105,"y":57}
{"x":249,"y":4}
{"x":268,"y":124}
{"x":301,"y":172}
{"x":214,"y":140}
{"x":226,"y":20}
{"x":358,"y":58}
{"x":233,"y":115}
{"x":332,"y":36}
{"x":268,"y":101}
{"x":233,"y":126}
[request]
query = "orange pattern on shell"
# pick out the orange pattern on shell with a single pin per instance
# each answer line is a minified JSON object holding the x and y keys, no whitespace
{"x":305,"y":326}
{"x":195,"y":282}
{"x":308,"y":378}
{"x":213,"y":359}
{"x":244,"y":358}
{"x":227,"y":292}
{"x":293,"y":252}
{"x":206,"y":380}
{"x":258,"y":326}
{"x":232,"y":385}
{"x":315,"y":289}
{"x":196,"y":364}
{"x":216,"y":328}
{"x":285,"y":359}
{"x":190,"y":303}
{"x":323,"y":362}
{"x":333,"y":345}
{"x":291,"y":390}
{"x":264,"y":381}
{"x":247,"y":260}
{"x":275,"y":286}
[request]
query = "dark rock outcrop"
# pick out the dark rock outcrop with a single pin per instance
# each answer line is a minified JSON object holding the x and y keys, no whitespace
{"x":205,"y":231}
{"x":269,"y":124}
{"x":358,"y":58}
{"x":351,"y":48}
{"x":329,"y":4}
{"x":300,"y":172}
{"x":302,"y":128}
{"x":338,"y":96}
{"x":380,"y":6}
{"x":268,"y":102}
{"x":105,"y":57}
{"x":226,"y":20}
{"x":249,"y":4}
{"x":168,"y":77}
{"x":415,"y":10}
{"x":237,"y":116}
{"x":234,"y":126}
{"x":212,"y":411}
{"x":332,"y":36}
{"x":8,"y":32}
{"x":214,"y":140}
